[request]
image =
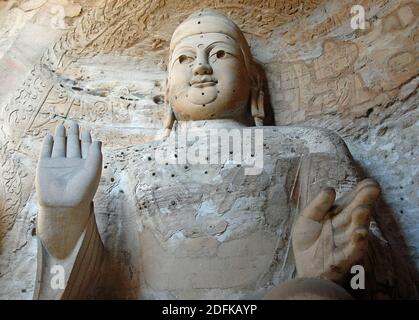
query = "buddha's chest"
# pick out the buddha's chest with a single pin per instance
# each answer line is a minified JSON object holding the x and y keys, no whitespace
{"x":218,"y":200}
{"x":210,"y":228}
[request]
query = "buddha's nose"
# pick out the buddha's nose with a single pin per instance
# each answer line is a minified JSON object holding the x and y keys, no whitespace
{"x":201,"y":66}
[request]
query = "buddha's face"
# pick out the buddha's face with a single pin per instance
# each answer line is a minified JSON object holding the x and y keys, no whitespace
{"x":208,"y":78}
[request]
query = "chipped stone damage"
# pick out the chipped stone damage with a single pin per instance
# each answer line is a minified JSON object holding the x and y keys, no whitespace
{"x":368,"y":95}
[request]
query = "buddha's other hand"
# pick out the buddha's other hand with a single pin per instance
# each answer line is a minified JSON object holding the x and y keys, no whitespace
{"x":68,"y":170}
{"x":330,"y":236}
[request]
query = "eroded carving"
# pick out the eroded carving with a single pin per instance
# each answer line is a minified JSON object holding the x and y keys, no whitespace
{"x":211,"y":79}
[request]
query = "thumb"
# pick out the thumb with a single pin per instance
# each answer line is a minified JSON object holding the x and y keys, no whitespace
{"x":320,"y":205}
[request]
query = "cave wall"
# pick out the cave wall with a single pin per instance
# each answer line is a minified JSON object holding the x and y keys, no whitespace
{"x":103,"y":63}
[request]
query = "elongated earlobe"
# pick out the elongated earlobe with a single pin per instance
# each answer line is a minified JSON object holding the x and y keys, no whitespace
{"x":170,"y":118}
{"x":257,"y":100}
{"x":257,"y":106}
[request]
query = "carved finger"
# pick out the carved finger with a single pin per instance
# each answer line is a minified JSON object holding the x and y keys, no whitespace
{"x":344,"y":201}
{"x":346,"y":256}
{"x":320,"y":205}
{"x":47,"y":146}
{"x":356,"y":248}
{"x":94,"y":160}
{"x":59,"y":148}
{"x":360,"y":218}
{"x":86,"y":141}
{"x":361,"y":214}
{"x":360,"y":235}
{"x":73,"y":142}
{"x":368,"y":195}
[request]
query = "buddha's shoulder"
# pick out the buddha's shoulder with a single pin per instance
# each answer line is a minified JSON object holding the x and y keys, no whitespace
{"x":316,"y":140}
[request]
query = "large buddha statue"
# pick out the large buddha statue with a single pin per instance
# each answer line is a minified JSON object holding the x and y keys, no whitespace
{"x":208,"y":228}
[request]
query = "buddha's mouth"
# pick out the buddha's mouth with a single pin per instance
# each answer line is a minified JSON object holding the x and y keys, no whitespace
{"x":205,"y":81}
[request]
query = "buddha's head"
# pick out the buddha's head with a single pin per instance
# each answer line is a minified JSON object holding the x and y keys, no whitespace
{"x":210,"y":71}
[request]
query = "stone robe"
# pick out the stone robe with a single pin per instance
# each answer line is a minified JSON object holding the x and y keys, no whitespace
{"x":210,"y":231}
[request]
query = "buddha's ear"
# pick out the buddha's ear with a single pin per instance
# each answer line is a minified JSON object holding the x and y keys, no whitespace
{"x":166,"y":93}
{"x":169,"y":118}
{"x":257,"y":96}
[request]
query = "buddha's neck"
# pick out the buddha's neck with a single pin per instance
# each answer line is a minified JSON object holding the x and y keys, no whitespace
{"x":210,"y":124}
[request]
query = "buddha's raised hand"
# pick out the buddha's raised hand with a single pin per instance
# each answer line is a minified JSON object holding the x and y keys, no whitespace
{"x":67,"y":178}
{"x":330,"y":236}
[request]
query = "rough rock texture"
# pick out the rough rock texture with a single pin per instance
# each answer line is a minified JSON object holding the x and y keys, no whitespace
{"x":210,"y":231}
{"x":103,"y":64}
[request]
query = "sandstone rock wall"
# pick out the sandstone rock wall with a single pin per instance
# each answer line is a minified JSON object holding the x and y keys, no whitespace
{"x":103,"y":63}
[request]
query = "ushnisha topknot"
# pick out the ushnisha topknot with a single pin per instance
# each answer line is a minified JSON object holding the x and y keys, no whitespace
{"x":211,"y":21}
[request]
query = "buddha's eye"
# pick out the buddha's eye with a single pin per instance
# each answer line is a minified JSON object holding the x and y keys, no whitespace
{"x":220,"y":54}
{"x":185,"y":59}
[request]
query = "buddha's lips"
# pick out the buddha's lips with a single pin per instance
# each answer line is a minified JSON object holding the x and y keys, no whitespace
{"x":203,"y":82}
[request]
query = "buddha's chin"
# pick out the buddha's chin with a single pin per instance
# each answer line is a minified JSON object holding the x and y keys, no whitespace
{"x":201,"y":96}
{"x":186,"y":110}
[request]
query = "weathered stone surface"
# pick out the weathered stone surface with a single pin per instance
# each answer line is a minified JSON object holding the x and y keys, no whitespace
{"x":108,"y":72}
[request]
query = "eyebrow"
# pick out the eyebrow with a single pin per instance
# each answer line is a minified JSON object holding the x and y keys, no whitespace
{"x":219,"y":42}
{"x":189,"y":47}
{"x":182,"y":47}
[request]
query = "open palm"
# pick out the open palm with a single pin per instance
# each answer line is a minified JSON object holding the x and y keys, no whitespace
{"x":330,"y":236}
{"x":69,"y":169}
